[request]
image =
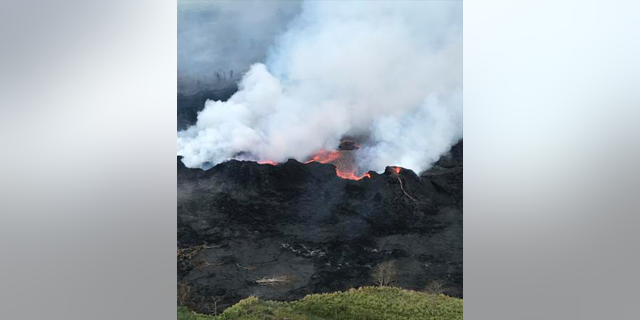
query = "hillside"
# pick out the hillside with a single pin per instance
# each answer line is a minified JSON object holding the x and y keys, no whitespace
{"x":241,"y":221}
{"x":367,"y":303}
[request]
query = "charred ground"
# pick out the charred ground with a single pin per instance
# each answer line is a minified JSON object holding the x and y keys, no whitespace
{"x":240,"y":223}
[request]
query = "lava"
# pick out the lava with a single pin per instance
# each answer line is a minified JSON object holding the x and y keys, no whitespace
{"x":325,"y":156}
{"x":396,"y":171}
{"x":269,"y":162}
{"x":342,"y":160}
{"x":351,"y":175}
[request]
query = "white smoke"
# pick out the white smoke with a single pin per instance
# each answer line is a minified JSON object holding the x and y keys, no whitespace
{"x":390,"y":71}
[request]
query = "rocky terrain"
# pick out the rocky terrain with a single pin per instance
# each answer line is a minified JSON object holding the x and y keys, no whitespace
{"x":283,"y":231}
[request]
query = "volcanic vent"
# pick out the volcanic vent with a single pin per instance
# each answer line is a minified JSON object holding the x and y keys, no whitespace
{"x":343,"y":159}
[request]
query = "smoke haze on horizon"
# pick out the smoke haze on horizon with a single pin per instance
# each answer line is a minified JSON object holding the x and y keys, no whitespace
{"x":387,"y":71}
{"x":223,"y":36}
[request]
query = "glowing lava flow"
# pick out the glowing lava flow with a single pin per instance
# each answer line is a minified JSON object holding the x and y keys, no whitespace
{"x":342,"y":160}
{"x":351,"y":175}
{"x":269,"y":162}
{"x":344,"y":165}
{"x":325,"y":157}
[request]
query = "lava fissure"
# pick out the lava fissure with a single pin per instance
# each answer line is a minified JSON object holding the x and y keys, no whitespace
{"x":342,"y":159}
{"x":269,"y":162}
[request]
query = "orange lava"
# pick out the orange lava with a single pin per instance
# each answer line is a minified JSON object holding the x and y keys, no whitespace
{"x":269,"y":162}
{"x":396,"y":169}
{"x":351,"y":175}
{"x":342,"y":160}
{"x":325,"y":157}
{"x":344,"y":164}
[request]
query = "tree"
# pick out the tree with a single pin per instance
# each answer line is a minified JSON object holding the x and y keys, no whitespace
{"x":435,"y":287}
{"x":214,"y":301}
{"x":385,"y":273}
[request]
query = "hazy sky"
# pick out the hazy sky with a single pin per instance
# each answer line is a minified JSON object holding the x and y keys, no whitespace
{"x":228,"y":35}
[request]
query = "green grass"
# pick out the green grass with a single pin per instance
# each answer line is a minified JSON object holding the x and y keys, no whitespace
{"x":367,"y":303}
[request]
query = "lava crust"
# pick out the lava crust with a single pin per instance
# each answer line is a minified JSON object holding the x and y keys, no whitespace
{"x":253,"y":222}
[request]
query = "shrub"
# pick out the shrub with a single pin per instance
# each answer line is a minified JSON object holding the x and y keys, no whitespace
{"x":435,"y":287}
{"x":367,"y":303}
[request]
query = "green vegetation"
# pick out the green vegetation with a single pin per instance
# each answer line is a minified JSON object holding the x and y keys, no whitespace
{"x":367,"y":303}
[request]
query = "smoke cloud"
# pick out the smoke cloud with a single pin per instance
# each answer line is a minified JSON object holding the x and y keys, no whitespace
{"x":390,"y":72}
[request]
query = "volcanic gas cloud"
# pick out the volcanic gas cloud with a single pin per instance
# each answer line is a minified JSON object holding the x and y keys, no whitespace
{"x":389,"y":73}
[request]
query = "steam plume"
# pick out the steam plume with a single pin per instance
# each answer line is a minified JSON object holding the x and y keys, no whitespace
{"x":387,"y":71}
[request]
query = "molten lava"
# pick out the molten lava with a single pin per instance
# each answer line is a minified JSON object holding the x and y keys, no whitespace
{"x":342,"y":160}
{"x":269,"y":162}
{"x":325,"y":156}
{"x":351,"y":175}
{"x":396,"y":169}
